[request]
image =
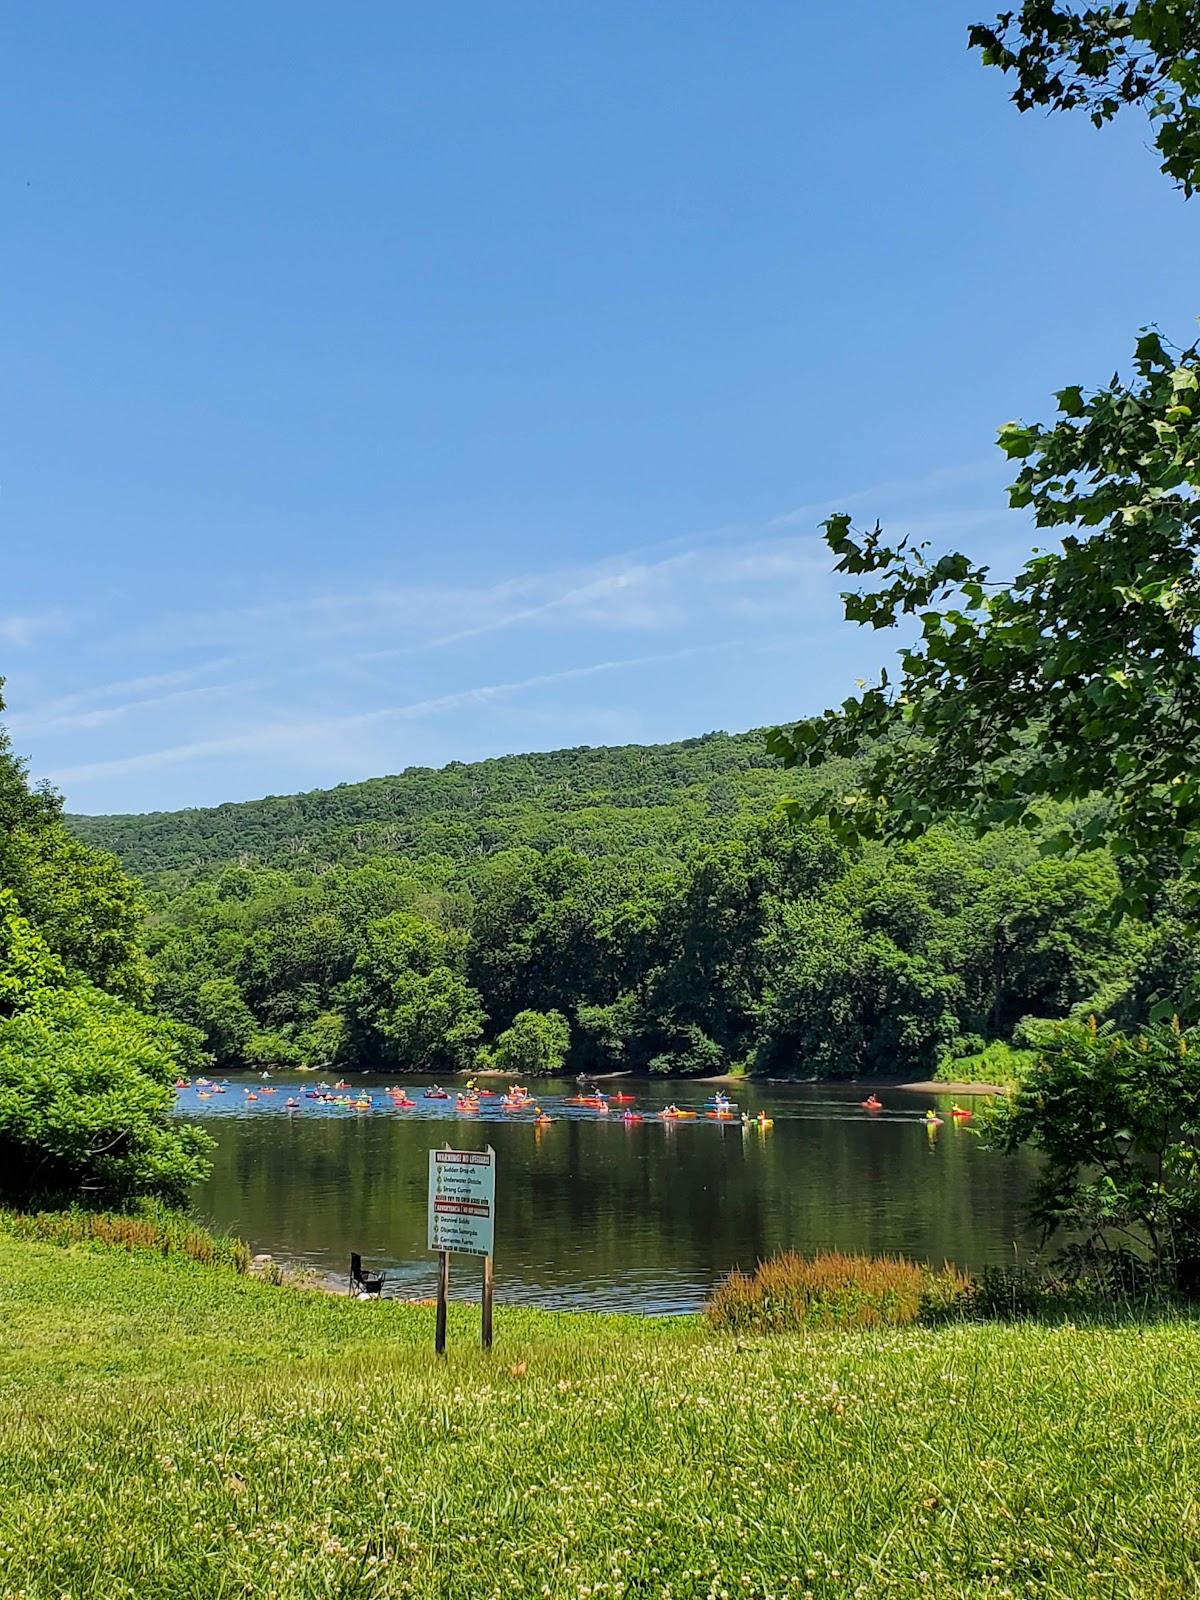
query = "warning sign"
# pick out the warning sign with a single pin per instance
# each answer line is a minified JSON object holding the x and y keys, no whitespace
{"x":462,"y":1201}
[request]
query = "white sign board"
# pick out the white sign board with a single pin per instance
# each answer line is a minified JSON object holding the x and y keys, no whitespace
{"x":462,"y":1201}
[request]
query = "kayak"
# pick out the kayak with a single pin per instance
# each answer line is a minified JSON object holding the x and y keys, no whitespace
{"x":435,"y":1094}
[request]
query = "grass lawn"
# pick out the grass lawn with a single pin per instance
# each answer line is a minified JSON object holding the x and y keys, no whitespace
{"x":170,"y":1429}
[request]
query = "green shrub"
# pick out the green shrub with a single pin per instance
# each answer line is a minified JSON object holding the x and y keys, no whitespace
{"x":534,"y":1047}
{"x":1073,"y":1285}
{"x":692,"y":1054}
{"x":997,"y":1063}
{"x":1115,"y":1121}
{"x":151,"y":1227}
{"x":831,"y":1290}
{"x":266,"y":1049}
{"x":86,"y":1102}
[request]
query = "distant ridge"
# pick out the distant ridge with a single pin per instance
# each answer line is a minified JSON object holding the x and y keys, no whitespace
{"x":662,"y":798}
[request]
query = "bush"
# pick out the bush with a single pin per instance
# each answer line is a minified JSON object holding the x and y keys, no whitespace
{"x":1115,"y":1119}
{"x":997,"y":1063}
{"x":265,"y":1049}
{"x":86,"y":1103}
{"x":1076,"y":1283}
{"x":831,"y":1290}
{"x":151,"y":1227}
{"x":693,"y":1054}
{"x":322,"y":1042}
{"x":534,"y":1047}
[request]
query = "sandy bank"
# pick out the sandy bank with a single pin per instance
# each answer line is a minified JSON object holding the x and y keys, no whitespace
{"x":935,"y":1086}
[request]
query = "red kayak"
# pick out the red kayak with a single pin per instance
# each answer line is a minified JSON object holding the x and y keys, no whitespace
{"x":623,"y":1099}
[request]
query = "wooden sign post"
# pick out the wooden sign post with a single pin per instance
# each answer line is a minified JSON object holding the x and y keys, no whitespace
{"x":486,"y":1322}
{"x":439,"y":1335}
{"x":462,"y":1218}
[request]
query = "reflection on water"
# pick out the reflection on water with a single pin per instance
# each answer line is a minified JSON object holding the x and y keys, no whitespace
{"x":598,"y":1214}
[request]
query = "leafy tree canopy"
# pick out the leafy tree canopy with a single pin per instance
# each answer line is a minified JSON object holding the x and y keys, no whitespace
{"x":86,"y":1078}
{"x":1077,"y":680}
{"x":1098,"y":59}
{"x":535,"y":1046}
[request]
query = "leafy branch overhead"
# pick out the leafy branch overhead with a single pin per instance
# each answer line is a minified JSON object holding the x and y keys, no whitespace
{"x":1079,"y":679}
{"x":1100,"y":58}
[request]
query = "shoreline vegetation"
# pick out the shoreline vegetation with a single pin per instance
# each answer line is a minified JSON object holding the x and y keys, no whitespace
{"x":200,"y":1431}
{"x":726,"y":1079}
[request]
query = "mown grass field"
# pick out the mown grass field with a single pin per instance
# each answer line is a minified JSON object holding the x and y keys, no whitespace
{"x":171,"y":1429}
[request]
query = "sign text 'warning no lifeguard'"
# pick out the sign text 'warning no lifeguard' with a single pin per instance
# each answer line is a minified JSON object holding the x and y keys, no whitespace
{"x":462,"y":1201}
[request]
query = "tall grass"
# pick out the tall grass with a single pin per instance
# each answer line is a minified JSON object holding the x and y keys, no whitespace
{"x":152,"y":1228}
{"x":831,"y":1290}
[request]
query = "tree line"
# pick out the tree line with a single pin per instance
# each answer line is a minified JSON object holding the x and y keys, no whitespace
{"x":776,"y":950}
{"x":663,"y":798}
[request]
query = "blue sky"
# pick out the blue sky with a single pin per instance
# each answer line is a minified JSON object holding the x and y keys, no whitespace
{"x":388,"y":385}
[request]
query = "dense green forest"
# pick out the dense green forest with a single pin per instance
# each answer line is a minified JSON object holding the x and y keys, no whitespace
{"x":641,"y":908}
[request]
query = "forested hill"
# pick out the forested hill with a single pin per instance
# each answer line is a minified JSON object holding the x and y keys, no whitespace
{"x":666,"y":797}
{"x":641,"y":908}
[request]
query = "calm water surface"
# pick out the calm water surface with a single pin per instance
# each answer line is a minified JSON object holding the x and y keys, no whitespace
{"x":596,"y":1214}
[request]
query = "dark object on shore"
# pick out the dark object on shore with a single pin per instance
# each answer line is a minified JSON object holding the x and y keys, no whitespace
{"x":364,"y":1285}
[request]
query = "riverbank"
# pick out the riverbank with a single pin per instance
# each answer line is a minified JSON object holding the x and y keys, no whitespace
{"x":939,"y":1086}
{"x":923,"y":1086}
{"x":199,"y":1432}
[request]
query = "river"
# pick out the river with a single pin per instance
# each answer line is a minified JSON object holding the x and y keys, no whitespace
{"x":596,"y":1213}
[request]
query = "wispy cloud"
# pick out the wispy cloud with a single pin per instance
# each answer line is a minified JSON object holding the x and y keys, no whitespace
{"x":40,"y":722}
{"x":293,"y":681}
{"x":885,"y":494}
{"x":100,"y":704}
{"x":640,"y":589}
{"x":277,"y":735}
{"x":21,"y":629}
